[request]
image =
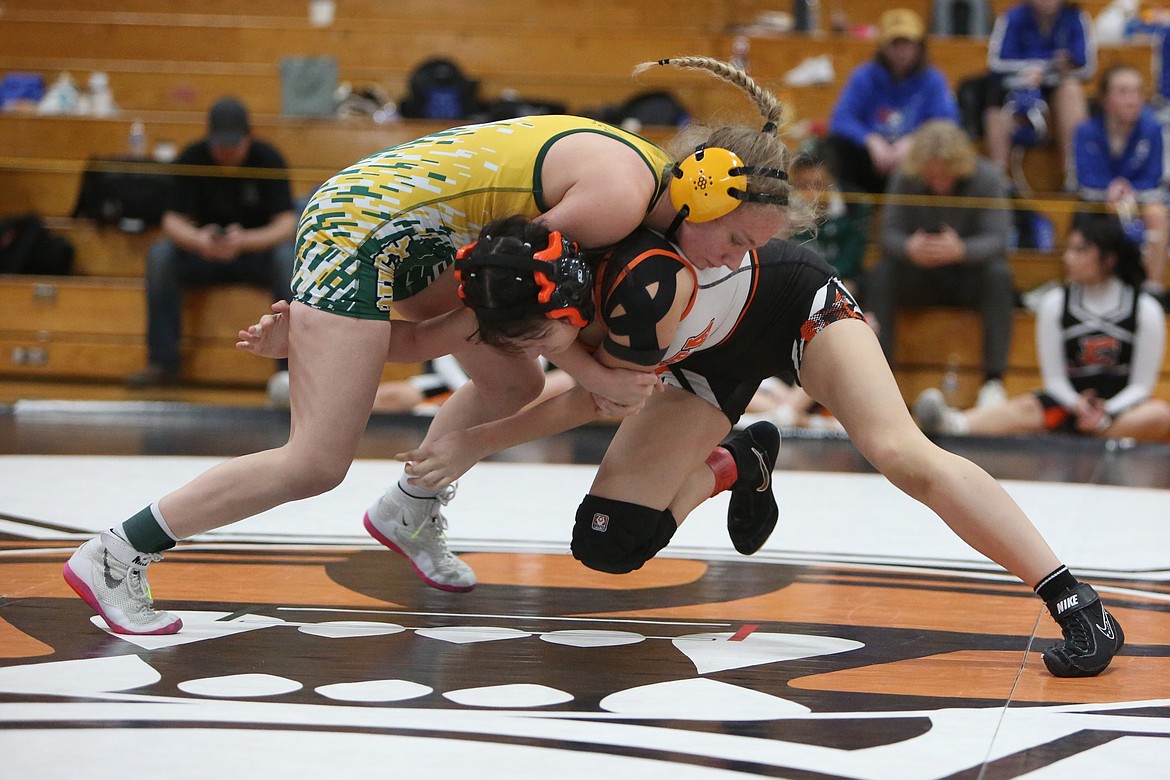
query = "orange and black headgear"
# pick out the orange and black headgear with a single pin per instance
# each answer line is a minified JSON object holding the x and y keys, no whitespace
{"x":562,"y":277}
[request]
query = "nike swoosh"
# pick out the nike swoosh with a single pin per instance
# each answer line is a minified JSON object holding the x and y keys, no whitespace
{"x":110,"y":581}
{"x":1107,"y":629}
{"x":764,"y":468}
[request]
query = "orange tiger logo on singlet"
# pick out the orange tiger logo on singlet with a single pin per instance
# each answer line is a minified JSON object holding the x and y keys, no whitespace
{"x":690,"y":345}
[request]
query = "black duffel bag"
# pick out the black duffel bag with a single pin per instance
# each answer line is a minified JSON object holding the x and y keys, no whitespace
{"x":126,"y":192}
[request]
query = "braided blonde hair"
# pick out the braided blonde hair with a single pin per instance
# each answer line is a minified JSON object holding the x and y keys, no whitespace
{"x":763,"y":147}
{"x":774,"y":112}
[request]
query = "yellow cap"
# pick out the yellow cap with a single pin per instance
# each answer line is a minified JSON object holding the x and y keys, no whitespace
{"x":901,"y":23}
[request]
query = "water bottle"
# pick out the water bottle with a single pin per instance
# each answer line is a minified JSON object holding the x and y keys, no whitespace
{"x":101,"y":99}
{"x":1045,"y":233}
{"x":741,"y":52}
{"x":950,"y":380}
{"x":137,"y":141}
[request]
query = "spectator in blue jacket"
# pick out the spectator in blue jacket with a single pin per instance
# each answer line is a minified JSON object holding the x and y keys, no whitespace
{"x":1153,"y":26}
{"x":1045,"y":46}
{"x":1120,"y":158}
{"x":1161,"y":72}
{"x":884,"y":101}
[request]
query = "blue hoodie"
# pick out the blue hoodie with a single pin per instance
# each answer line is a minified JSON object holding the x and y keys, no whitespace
{"x":1160,"y":36}
{"x":1017,"y":42}
{"x":1161,"y":59}
{"x":873,"y":102}
{"x":1140,"y":163}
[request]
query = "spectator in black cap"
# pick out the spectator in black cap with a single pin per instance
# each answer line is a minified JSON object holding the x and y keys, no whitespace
{"x":236,"y":227}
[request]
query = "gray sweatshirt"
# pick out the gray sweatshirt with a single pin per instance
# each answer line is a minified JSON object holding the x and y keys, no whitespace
{"x":984,"y":227}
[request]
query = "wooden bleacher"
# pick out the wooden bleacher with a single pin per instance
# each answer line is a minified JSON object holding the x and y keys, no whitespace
{"x":932,"y":340}
{"x":94,"y":328}
{"x":166,"y":68}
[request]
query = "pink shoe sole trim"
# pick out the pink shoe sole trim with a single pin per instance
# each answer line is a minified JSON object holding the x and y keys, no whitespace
{"x":82,"y":590}
{"x":385,"y":542}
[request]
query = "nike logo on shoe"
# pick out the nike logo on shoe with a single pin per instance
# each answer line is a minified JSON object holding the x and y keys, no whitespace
{"x":767,"y":472}
{"x":1107,"y":629}
{"x":111,"y":583}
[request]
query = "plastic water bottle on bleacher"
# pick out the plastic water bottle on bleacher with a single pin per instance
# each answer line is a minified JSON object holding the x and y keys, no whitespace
{"x":741,"y":53}
{"x":101,"y":99}
{"x":950,"y":381}
{"x":136,"y":144}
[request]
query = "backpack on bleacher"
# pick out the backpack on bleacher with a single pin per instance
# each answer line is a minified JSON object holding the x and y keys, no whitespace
{"x":27,"y":247}
{"x":654,"y":108}
{"x":131,"y":200}
{"x":510,"y":105}
{"x":440,"y":90}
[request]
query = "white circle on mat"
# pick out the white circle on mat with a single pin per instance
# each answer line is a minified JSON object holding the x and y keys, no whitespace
{"x":374,"y":690}
{"x":345,"y":629}
{"x":584,"y":637}
{"x":463,"y":635}
{"x":240,"y":686}
{"x":514,"y":695}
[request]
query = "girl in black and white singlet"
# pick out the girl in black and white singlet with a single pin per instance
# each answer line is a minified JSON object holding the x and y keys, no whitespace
{"x":1106,"y":339}
{"x":740,"y":325}
{"x":1100,"y":342}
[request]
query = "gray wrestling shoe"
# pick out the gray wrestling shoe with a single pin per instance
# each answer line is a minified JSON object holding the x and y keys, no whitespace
{"x":118,"y":591}
{"x":415,"y":528}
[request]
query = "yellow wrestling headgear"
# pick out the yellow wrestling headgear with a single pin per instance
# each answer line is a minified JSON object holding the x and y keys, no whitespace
{"x":712,"y":182}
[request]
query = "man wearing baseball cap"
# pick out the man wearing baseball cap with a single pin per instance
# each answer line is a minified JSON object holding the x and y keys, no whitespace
{"x":884,"y":101}
{"x":234,"y":227}
{"x":227,"y":123}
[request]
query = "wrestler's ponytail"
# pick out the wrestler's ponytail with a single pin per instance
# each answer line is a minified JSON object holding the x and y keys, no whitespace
{"x":761,"y":147}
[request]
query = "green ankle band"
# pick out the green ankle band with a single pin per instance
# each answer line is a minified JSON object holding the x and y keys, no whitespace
{"x":145,"y":534}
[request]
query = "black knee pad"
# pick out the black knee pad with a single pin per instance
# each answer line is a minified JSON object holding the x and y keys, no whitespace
{"x":617,"y":536}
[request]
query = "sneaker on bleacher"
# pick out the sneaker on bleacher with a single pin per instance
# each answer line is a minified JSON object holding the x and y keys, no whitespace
{"x":810,"y":72}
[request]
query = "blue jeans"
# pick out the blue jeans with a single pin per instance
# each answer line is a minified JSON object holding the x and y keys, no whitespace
{"x":170,"y":270}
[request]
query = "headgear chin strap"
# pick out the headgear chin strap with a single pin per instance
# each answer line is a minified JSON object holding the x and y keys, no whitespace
{"x":564,"y":279}
{"x":712,"y":182}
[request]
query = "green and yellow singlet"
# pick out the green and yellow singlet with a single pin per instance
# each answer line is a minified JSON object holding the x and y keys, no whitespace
{"x":386,"y":227}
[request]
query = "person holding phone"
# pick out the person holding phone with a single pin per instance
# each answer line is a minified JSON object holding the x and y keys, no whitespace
{"x":943,"y":235}
{"x":233,"y":225}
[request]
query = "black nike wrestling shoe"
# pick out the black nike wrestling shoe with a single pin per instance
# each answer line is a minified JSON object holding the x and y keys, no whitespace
{"x":752,"y":511}
{"x":1091,"y":635}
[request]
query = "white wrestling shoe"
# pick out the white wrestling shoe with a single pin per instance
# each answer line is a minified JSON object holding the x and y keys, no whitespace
{"x":117,"y":591}
{"x":933,"y":415}
{"x":415,"y":528}
{"x":991,"y":394}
